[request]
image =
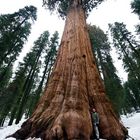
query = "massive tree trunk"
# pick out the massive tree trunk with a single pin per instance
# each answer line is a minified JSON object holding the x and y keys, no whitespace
{"x":63,"y":112}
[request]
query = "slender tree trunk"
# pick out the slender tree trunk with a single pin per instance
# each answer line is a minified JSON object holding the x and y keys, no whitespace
{"x":4,"y":72}
{"x":9,"y":51}
{"x":39,"y":89}
{"x":23,"y":101}
{"x":12,"y":116}
{"x":130,"y":44}
{"x":27,"y":89}
{"x":74,"y":86}
{"x":132,"y":66}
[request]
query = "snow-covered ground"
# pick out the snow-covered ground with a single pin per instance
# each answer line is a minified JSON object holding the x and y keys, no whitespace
{"x":133,"y":125}
{"x":131,"y":122}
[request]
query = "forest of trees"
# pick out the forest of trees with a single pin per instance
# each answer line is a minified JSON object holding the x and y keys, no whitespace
{"x":20,"y":90}
{"x":19,"y":94}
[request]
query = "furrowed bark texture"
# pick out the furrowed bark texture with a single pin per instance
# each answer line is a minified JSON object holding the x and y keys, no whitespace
{"x":74,"y":86}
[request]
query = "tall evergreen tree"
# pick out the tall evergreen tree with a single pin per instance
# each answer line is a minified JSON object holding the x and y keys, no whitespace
{"x":130,"y":103}
{"x":128,"y":50}
{"x":134,"y":89}
{"x":50,"y":56}
{"x":39,"y":46}
{"x":18,"y":82}
{"x":14,"y":31}
{"x":101,"y":48}
{"x":11,"y":95}
{"x":26,"y":78}
{"x":74,"y":85}
{"x":127,"y":47}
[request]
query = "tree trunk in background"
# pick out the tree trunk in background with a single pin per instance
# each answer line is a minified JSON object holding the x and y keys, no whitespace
{"x":74,"y":86}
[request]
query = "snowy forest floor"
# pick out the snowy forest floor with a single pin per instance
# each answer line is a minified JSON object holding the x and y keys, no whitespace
{"x":132,"y":122}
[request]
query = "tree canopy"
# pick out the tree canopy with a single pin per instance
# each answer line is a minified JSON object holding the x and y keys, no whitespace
{"x":135,"y":5}
{"x":14,"y":31}
{"x":62,"y":6}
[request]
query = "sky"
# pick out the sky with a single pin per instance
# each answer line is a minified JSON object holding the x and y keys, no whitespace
{"x":109,"y":11}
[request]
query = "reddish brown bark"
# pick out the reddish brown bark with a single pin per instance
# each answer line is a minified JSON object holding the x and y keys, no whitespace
{"x":74,"y":87}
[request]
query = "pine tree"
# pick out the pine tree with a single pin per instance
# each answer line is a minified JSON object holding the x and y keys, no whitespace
{"x":74,"y":86}
{"x":49,"y":61}
{"x":27,"y":77}
{"x":14,"y":31}
{"x":39,"y":46}
{"x":18,"y":82}
{"x":101,"y":48}
{"x":29,"y":68}
{"x":9,"y":98}
{"x":128,"y":49}
{"x":4,"y":82}
{"x":133,"y":86}
{"x":130,"y":103}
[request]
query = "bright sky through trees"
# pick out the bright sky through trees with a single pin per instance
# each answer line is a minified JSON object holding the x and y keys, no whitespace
{"x":108,"y":12}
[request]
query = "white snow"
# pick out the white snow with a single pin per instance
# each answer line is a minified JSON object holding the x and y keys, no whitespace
{"x":132,"y":122}
{"x":7,"y":130}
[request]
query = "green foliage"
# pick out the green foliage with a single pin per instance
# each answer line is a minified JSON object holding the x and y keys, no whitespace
{"x":38,"y":48}
{"x":62,"y":6}
{"x":130,"y":103}
{"x":11,"y":93}
{"x":14,"y":30}
{"x":101,"y":49}
{"x":127,"y":46}
{"x":133,"y":85}
{"x":128,"y":49}
{"x":135,"y":5}
{"x":49,"y":59}
{"x":7,"y":75}
{"x":22,"y":94}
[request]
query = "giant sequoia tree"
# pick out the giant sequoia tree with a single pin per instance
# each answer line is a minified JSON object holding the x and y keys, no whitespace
{"x":74,"y":86}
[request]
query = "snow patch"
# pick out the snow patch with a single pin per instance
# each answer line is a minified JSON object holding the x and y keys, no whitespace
{"x":132,"y":123}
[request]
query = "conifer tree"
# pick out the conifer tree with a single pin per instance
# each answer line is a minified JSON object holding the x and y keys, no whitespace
{"x":130,"y":103}
{"x":128,"y":49}
{"x":26,"y":78}
{"x":14,"y":31}
{"x":101,"y":48}
{"x":74,"y":85}
{"x":135,"y":5}
{"x":50,"y":56}
{"x":127,"y":46}
{"x":10,"y":97}
{"x":39,"y":46}
{"x":18,"y":82}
